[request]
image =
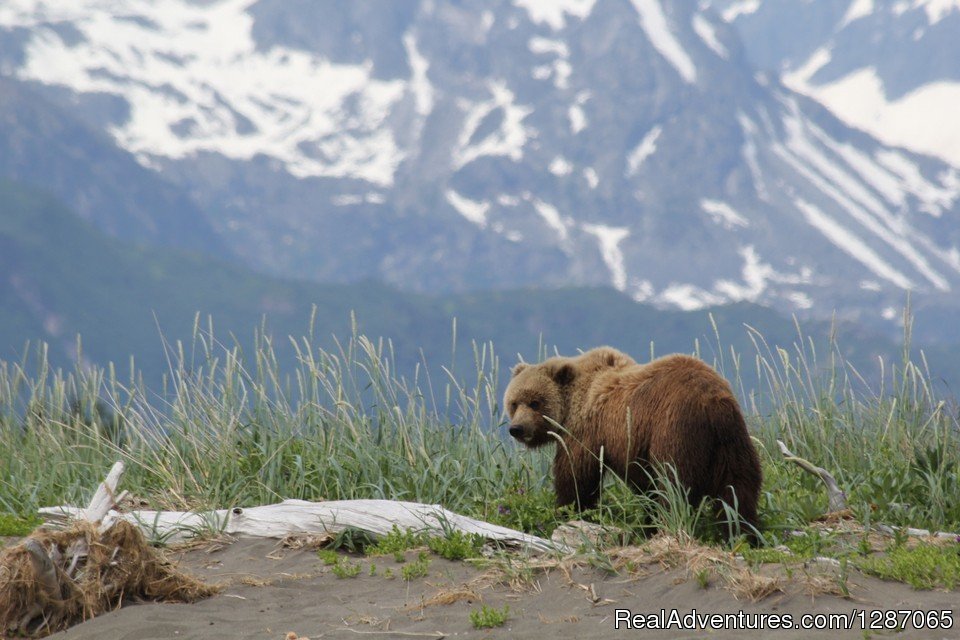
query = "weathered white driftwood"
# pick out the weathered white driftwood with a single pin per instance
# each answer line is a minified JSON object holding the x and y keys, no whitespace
{"x":106,"y":497}
{"x":835,"y":495}
{"x":292,"y":517}
{"x":917,"y":533}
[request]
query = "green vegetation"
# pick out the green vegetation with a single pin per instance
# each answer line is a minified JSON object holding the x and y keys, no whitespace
{"x":416,"y":569}
{"x":328,"y":556}
{"x":344,"y":568}
{"x":235,"y":428}
{"x":353,"y":540}
{"x":487,"y":617}
{"x":11,"y":525}
{"x":703,"y":578}
{"x":924,"y":566}
{"x":396,"y":542}
{"x":456,"y":545}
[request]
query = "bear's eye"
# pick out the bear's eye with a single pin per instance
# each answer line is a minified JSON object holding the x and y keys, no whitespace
{"x":535,"y":405}
{"x":513,"y":408}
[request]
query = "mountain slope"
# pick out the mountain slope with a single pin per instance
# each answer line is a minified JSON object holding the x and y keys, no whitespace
{"x":60,"y":277}
{"x":50,"y":147}
{"x":453,"y":147}
{"x":885,"y":66}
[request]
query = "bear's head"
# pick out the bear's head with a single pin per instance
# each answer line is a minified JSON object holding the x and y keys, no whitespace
{"x":540,"y":391}
{"x":537,"y":392}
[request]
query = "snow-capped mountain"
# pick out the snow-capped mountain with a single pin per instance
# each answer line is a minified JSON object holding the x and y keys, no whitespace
{"x":889,"y":67}
{"x":449,"y":146}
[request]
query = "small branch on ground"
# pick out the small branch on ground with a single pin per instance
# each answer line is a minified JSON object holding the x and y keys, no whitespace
{"x":835,"y":495}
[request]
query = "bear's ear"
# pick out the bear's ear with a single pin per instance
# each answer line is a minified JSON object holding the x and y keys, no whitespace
{"x":564,"y":374}
{"x":517,"y":368}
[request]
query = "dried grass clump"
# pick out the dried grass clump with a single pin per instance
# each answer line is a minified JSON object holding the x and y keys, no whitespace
{"x":683,"y":552}
{"x":55,"y":579}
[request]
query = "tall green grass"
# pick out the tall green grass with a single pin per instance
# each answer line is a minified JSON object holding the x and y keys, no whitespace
{"x":891,"y":442}
{"x":232,"y":428}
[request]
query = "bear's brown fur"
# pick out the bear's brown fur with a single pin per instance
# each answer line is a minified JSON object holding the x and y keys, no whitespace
{"x":680,"y":411}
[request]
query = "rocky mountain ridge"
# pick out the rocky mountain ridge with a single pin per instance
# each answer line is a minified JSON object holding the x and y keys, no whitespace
{"x":473,"y":145}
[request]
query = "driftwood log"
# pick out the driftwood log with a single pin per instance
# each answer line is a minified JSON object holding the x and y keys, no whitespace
{"x":837,"y":498}
{"x":300,"y":517}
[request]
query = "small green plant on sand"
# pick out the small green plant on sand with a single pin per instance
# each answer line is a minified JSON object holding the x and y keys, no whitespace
{"x":416,"y":569}
{"x":346,"y":569}
{"x":457,"y":545}
{"x":487,"y":617}
{"x":396,"y":542}
{"x":843,"y":577}
{"x":925,"y":566}
{"x":703,"y":578}
{"x":329,"y":557}
{"x":757,"y":557}
{"x":353,"y":540}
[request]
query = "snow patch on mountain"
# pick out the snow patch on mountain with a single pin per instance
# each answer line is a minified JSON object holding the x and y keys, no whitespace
{"x":798,"y":79}
{"x":553,"y":13}
{"x":723,"y":214}
{"x":857,"y":9}
{"x":687,"y":297}
{"x":849,"y":243}
{"x":739,"y":8}
{"x":749,"y":152}
{"x":646,"y":148}
{"x":937,"y":10}
{"x":708,"y":34}
{"x":195,"y":82}
{"x":934,"y":197}
{"x":552,"y":217}
{"x":894,"y":177}
{"x":590,"y":175}
{"x":923,"y":121}
{"x":851,"y":194}
{"x":609,"y":239}
{"x":578,"y":119}
{"x":657,"y":28}
{"x":475,"y":212}
{"x":757,"y":276}
{"x":560,"y":167}
{"x":560,"y":68}
{"x":509,"y":138}
{"x":419,"y":83}
{"x":353,"y":199}
{"x":576,"y":114}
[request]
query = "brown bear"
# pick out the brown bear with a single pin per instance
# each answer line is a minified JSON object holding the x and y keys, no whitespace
{"x":675,"y":410}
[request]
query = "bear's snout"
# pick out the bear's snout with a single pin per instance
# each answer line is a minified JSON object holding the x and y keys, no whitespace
{"x":516,"y":431}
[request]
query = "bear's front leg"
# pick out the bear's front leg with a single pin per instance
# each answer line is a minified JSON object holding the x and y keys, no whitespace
{"x":576,"y":477}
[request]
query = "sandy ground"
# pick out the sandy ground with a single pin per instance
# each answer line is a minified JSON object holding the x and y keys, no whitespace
{"x":272,"y":592}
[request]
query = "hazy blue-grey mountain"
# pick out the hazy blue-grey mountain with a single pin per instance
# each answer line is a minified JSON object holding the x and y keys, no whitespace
{"x":48,"y":146}
{"x":456,"y":146}
{"x":127,"y":302}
